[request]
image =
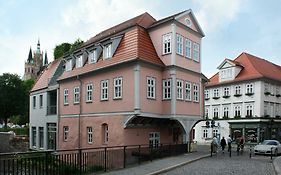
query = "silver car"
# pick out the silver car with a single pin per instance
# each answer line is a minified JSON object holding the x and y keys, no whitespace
{"x":267,"y":146}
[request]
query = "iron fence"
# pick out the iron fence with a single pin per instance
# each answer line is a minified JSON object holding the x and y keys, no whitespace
{"x":84,"y":161}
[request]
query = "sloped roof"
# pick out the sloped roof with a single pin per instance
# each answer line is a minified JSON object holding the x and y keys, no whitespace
{"x":253,"y":67}
{"x":46,"y":76}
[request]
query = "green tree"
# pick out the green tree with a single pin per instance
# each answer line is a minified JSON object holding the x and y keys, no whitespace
{"x":27,"y":85}
{"x":76,"y":45}
{"x":61,"y":49}
{"x":12,"y":96}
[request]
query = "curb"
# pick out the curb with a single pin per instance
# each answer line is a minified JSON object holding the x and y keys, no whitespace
{"x":276,"y":167}
{"x":178,"y":165}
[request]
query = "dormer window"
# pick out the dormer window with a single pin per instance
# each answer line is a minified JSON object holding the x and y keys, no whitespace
{"x":93,"y":56}
{"x":226,"y":73}
{"x":79,"y":61}
{"x":68,"y":65}
{"x":107,"y":51}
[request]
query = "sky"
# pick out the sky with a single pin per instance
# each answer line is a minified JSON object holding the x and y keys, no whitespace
{"x":230,"y":26}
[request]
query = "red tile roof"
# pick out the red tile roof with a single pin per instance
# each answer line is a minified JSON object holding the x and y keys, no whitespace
{"x":253,"y":67}
{"x":43,"y":80}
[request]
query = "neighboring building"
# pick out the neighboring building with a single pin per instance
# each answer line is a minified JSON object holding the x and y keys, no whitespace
{"x":245,"y":98}
{"x":139,"y":82}
{"x":44,"y":108}
{"x":34,"y":64}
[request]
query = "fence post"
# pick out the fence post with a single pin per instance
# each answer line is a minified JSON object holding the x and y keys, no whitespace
{"x":230,"y":148}
{"x":80,"y":161}
{"x":124,"y":153}
{"x":46,"y":162}
{"x":250,"y":152}
{"x":139,"y":154}
{"x":271,"y":153}
{"x":212,"y":149}
{"x":105,"y":158}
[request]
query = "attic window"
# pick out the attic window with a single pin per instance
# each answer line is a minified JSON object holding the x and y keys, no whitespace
{"x":188,"y":22}
{"x":68,"y":65}
{"x":107,"y":52}
{"x":93,"y":56}
{"x":79,"y":61}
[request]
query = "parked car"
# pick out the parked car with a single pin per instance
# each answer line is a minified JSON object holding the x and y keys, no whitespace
{"x":266,"y":146}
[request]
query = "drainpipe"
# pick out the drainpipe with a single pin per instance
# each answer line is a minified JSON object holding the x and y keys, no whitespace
{"x":80,"y":110}
{"x":58,"y":115}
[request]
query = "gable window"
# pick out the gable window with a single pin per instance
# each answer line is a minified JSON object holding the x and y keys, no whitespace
{"x":188,"y":48}
{"x":237,"y":90}
{"x":237,"y":111}
{"x":68,"y":65}
{"x":225,"y":112}
{"x":41,"y":137}
{"x":205,"y":133}
{"x":89,"y":96}
{"x":179,"y":89}
{"x":34,"y":102}
{"x":216,"y":113}
{"x":104,"y":133}
{"x":196,"y":92}
{"x":207,"y":96}
{"x":151,"y":87}
{"x":79,"y":61}
{"x":90,"y":134}
{"x":167,"y":43}
{"x":167,"y":89}
{"x":154,"y":139}
{"x":179,"y":44}
{"x":93,"y":56}
{"x":41,"y":101}
{"x":216,"y":93}
{"x":33,"y":130}
{"x":117,"y":88}
{"x":65,"y":96}
{"x":188,"y":91}
{"x":107,"y":51}
{"x":104,"y":90}
{"x":76,"y":95}
{"x":249,"y":89}
{"x":196,"y":55}
{"x":249,"y":110}
{"x":65,"y":133}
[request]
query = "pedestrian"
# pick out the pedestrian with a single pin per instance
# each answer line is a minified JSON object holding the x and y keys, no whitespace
{"x":242,"y":142}
{"x":223,"y":144}
{"x":229,"y":141}
{"x":214,"y":144}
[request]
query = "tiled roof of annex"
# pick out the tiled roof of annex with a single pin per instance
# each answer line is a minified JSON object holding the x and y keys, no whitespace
{"x":253,"y":67}
{"x":136,"y":44}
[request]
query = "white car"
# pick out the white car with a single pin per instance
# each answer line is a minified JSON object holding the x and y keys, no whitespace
{"x":266,"y":146}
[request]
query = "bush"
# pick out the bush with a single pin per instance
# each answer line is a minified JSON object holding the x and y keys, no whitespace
{"x":18,"y":131}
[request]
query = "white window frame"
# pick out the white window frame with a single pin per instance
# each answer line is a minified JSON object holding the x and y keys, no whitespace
{"x":216,"y":112}
{"x":89,"y":92}
{"x":34,"y":102}
{"x":41,"y":137}
{"x":76,"y":95}
{"x":41,"y":101}
{"x":179,"y":44}
{"x":207,"y":94}
{"x":187,"y":91}
{"x":249,"y":88}
{"x":196,"y":92}
{"x":117,"y":91}
{"x":216,"y":92}
{"x":167,"y":43}
{"x":188,"y":44}
{"x":237,"y":110}
{"x":205,"y":133}
{"x":237,"y":90}
{"x":167,"y":89}
{"x":196,"y":52}
{"x":93,"y":56}
{"x":226,"y":111}
{"x":104,"y":90}
{"x":226,"y":91}
{"x":105,"y":132}
{"x":65,"y":133}
{"x":68,"y":65}
{"x":65,"y":96}
{"x":79,"y":61}
{"x":107,"y":51}
{"x":180,"y":89}
{"x":249,"y":110}
{"x":151,"y":87}
{"x":207,"y":111}
{"x":154,"y":139}
{"x":90,"y":134}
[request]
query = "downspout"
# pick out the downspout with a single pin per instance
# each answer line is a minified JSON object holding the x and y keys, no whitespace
{"x":80,"y":110}
{"x":58,"y":115}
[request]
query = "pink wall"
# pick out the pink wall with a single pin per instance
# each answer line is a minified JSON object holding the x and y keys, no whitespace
{"x":182,"y":20}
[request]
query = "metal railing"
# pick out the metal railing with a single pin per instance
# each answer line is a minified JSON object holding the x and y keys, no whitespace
{"x":83,"y":161}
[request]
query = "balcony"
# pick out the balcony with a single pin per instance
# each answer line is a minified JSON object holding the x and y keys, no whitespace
{"x":51,"y":110}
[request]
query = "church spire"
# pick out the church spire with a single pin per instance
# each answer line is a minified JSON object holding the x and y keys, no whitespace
{"x":38,"y":46}
{"x":45,"y":59}
{"x":30,"y":59}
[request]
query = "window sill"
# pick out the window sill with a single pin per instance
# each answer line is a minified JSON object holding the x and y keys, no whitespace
{"x":237,"y":95}
{"x":166,"y":99}
{"x":104,"y":100}
{"x":226,"y":96}
{"x":89,"y":101}
{"x":207,"y":98}
{"x":216,"y":98}
{"x":278,"y":95}
{"x":249,"y":94}
{"x":267,"y":93}
{"x":117,"y":98}
{"x":187,"y":100}
{"x":76,"y":103}
{"x":66,"y":104}
{"x":150,"y":98}
{"x":180,"y":99}
{"x":168,"y":53}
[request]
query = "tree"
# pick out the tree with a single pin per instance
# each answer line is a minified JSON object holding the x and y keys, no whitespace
{"x":64,"y":48}
{"x":76,"y":45}
{"x":12,"y":96}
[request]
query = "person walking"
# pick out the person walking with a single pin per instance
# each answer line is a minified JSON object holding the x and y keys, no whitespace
{"x":229,"y":141}
{"x":223,"y":144}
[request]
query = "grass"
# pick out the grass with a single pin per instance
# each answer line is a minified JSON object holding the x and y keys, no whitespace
{"x":18,"y":131}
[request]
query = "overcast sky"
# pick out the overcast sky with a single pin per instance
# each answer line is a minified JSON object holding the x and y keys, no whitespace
{"x":230,"y":26}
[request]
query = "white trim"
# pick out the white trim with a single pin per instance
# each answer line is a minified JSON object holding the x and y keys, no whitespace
{"x":104,"y":90}
{"x":137,"y":87}
{"x":117,"y":87}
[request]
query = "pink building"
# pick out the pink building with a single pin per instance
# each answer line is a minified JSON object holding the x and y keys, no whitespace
{"x":139,"y":82}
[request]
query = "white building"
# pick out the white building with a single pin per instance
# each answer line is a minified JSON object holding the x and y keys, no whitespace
{"x":244,"y":96}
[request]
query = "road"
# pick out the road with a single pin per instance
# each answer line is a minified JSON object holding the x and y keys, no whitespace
{"x":222,"y":164}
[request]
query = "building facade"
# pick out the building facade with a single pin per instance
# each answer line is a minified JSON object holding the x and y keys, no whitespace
{"x":243,"y":99}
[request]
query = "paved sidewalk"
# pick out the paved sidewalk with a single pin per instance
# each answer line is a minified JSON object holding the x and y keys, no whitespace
{"x":277,"y":165}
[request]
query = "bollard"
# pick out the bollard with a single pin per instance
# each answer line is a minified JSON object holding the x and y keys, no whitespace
{"x":250,"y":152}
{"x":271,"y":153}
{"x":211,"y":149}
{"x":230,"y":151}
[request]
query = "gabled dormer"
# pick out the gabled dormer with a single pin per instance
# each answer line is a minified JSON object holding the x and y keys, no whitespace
{"x":228,"y":70}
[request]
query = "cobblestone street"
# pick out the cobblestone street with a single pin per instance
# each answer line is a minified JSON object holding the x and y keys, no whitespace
{"x":223,"y":164}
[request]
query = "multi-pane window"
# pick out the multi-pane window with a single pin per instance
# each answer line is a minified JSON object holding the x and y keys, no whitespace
{"x":237,"y":111}
{"x":179,"y":89}
{"x":76,"y":92}
{"x":206,"y":113}
{"x":117,"y":88}
{"x":249,"y":88}
{"x":68,"y":65}
{"x":107,"y":51}
{"x":225,"y":111}
{"x":41,"y":101}
{"x":216,"y":112}
{"x":34,"y":102}
{"x":90,"y":134}
{"x":226,"y":73}
{"x":266,"y":110}
{"x":89,"y":95}
{"x":167,"y":43}
{"x":249,"y":110}
{"x":207,"y":96}
{"x":266,"y":87}
{"x":166,"y":89}
{"x":179,"y":44}
{"x":154,"y":139}
{"x":41,"y":137}
{"x":65,"y":96}
{"x":195,"y":92}
{"x":79,"y":61}
{"x":33,"y":130}
{"x":105,"y":133}
{"x":237,"y":90}
{"x":277,"y":90}
{"x":188,"y":48}
{"x":151,"y":87}
{"x":205,"y":133}
{"x":215,"y":132}
{"x":65,"y":133}
{"x":226,"y":91}
{"x":216,"y":92}
{"x":188,"y":91}
{"x":196,"y":55}
{"x":93,"y":56}
{"x":104,"y":90}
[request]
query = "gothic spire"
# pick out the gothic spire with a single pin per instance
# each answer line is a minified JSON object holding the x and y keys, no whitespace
{"x":30,"y":59}
{"x":38,"y":46}
{"x":46,"y":59}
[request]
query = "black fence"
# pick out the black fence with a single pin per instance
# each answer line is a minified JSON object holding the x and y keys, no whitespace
{"x":84,"y":161}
